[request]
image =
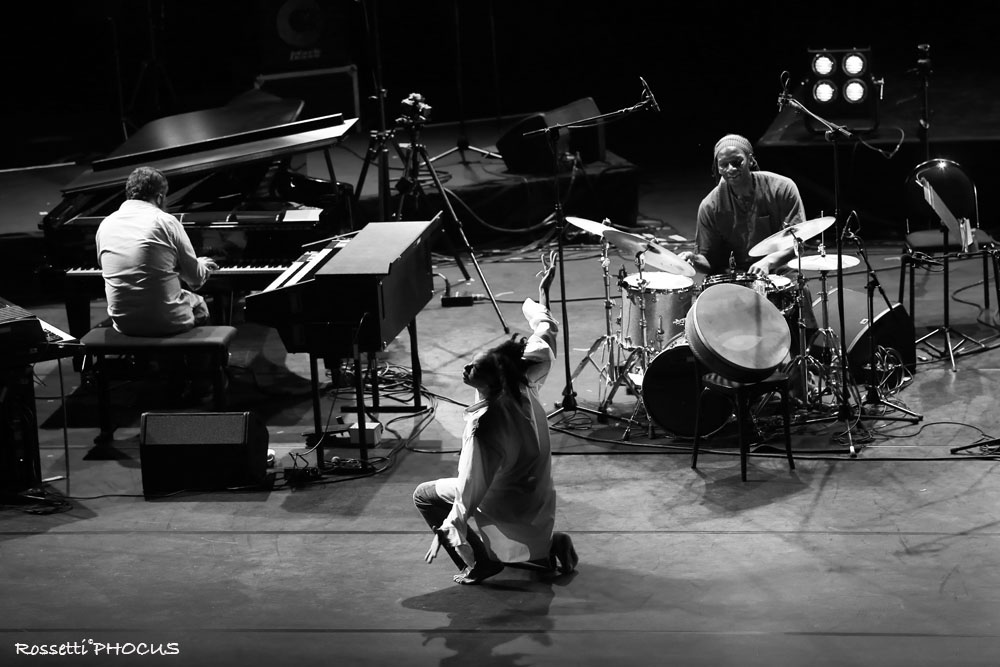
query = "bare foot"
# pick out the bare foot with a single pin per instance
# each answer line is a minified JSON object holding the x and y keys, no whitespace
{"x":482,"y":571}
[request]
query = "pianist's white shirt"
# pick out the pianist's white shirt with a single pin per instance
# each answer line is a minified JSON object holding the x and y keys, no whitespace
{"x":144,"y":253}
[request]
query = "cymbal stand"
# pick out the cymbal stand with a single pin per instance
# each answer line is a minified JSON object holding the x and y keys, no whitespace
{"x":828,"y":375}
{"x":874,"y":394}
{"x":410,"y":186}
{"x":608,"y":372}
{"x":803,"y":361}
{"x":640,"y":354}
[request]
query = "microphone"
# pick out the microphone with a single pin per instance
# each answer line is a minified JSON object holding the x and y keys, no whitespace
{"x":647,"y":94}
{"x":784,"y":97}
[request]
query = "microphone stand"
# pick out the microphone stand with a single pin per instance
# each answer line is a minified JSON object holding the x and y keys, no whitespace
{"x":569,"y":402}
{"x":832,"y":134}
{"x":874,"y":394}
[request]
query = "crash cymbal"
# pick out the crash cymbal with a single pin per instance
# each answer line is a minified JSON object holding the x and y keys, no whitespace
{"x":785,"y":239}
{"x":655,"y":255}
{"x":597,"y":228}
{"x":823,"y":262}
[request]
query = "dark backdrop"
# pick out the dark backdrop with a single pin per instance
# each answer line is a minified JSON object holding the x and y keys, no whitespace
{"x":714,"y":66}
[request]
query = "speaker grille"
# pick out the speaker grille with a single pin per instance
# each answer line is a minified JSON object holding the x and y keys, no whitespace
{"x":224,"y":428}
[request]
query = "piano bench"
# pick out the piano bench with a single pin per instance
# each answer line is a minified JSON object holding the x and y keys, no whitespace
{"x":101,"y":342}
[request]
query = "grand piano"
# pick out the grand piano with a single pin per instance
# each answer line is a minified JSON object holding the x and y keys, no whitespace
{"x":234,"y":185}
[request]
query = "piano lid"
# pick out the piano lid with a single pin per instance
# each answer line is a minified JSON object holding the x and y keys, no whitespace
{"x":374,"y":249}
{"x":211,"y":139}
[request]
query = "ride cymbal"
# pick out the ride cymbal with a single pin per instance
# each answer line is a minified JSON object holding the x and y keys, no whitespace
{"x":785,"y":239}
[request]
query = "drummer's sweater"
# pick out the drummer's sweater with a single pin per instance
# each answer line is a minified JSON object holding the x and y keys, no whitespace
{"x":725,"y":227}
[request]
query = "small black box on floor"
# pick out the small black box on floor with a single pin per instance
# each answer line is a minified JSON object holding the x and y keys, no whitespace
{"x":203,"y":451}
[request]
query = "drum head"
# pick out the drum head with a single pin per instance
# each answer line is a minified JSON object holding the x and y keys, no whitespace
{"x":779,"y":282}
{"x":670,"y":389}
{"x":658,"y":281}
{"x":737,"y":333}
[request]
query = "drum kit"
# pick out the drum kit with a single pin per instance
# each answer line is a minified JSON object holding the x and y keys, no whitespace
{"x":737,"y":325}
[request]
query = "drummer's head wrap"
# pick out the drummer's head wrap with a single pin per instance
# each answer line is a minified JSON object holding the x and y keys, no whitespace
{"x":732,"y":141}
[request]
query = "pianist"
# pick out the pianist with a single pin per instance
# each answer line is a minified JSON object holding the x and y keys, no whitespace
{"x":504,"y":478}
{"x":144,"y":254}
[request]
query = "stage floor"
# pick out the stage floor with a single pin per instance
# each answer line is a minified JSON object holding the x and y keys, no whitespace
{"x":886,"y":558}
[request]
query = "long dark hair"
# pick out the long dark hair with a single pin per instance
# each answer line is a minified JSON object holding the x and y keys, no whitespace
{"x":507,"y":364}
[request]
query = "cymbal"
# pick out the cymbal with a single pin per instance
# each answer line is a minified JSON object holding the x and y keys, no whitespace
{"x":824,"y":262}
{"x":655,"y":255}
{"x":785,"y":239}
{"x":597,"y":228}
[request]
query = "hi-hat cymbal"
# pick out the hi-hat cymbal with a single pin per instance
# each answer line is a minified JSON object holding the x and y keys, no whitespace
{"x":655,"y":255}
{"x":597,"y":228}
{"x":785,"y":239}
{"x":823,"y":262}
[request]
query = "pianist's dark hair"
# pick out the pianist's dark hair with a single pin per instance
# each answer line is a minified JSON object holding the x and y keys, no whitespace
{"x":145,"y":183}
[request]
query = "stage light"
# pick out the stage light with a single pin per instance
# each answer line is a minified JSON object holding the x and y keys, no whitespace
{"x":855,"y":91}
{"x":824,"y":91}
{"x":841,"y":89}
{"x":854,"y":64}
{"x":823,"y":64}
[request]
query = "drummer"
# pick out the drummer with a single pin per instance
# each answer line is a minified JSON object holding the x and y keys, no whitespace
{"x":745,"y":207}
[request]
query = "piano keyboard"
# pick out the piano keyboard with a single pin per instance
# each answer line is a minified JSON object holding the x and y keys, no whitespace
{"x":255,"y":269}
{"x":27,"y":339}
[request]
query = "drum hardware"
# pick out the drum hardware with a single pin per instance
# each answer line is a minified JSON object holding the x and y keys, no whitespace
{"x":804,"y":366}
{"x":830,"y":374}
{"x":609,"y":371}
{"x":640,"y":354}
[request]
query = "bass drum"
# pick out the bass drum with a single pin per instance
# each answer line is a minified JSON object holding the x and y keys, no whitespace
{"x":737,"y":333}
{"x":670,"y":389}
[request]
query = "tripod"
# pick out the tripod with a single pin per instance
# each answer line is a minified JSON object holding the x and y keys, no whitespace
{"x":409,"y":186}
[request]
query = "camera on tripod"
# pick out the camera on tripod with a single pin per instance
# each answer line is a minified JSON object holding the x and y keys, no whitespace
{"x":414,"y":112}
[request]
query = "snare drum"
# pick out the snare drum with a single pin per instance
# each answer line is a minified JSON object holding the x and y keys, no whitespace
{"x":736,"y":278}
{"x":666,"y":298}
{"x":670,"y":390}
{"x":737,"y":333}
{"x":780,"y":290}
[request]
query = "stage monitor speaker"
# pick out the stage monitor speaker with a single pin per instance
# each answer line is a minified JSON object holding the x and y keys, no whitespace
{"x":892,"y":328}
{"x":201,"y":451}
{"x":533,"y":154}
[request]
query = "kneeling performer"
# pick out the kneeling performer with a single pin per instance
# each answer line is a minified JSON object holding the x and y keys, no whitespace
{"x":505,"y":468}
